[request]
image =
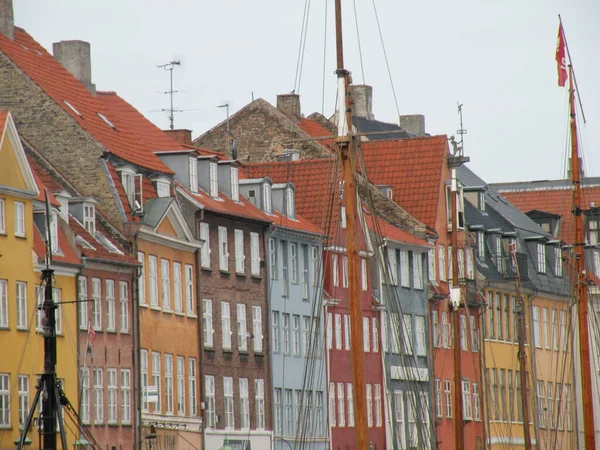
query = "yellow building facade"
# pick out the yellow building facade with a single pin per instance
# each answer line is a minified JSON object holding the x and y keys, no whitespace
{"x":21,"y":345}
{"x":549,"y":371}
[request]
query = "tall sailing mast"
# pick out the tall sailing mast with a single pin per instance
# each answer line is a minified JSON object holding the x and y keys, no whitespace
{"x":347,"y":144}
{"x":580,"y":288}
{"x":521,"y":352}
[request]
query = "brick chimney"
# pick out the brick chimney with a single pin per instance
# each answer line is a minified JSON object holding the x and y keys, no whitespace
{"x":362,"y":96}
{"x":75,"y":57}
{"x":183,"y":136}
{"x":7,"y":19}
{"x":289,"y":104}
{"x":413,"y":123}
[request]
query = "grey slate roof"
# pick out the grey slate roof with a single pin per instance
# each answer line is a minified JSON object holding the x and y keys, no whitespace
{"x":365,"y":125}
{"x":155,"y":209}
{"x":501,"y":214}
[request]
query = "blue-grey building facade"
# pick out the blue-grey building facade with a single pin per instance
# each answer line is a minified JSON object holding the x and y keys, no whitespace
{"x":298,"y":365}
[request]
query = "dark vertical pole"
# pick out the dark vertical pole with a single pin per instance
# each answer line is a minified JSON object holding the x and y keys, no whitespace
{"x":458,"y":404}
{"x":49,"y":399}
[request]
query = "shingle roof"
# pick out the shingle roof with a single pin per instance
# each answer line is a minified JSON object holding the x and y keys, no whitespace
{"x":365,"y":125}
{"x":66,"y":254}
{"x":298,"y":223}
{"x":317,"y":185}
{"x":315,"y":130}
{"x":413,"y":167}
{"x":387,"y":230}
{"x":553,"y":196}
{"x":62,"y":87}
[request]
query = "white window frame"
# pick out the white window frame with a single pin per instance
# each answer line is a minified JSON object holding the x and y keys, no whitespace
{"x":125,"y":396}
{"x":144,"y":379}
{"x":392,"y":265}
{"x":153,"y":280}
{"x":213,"y":180}
{"x":177,"y":294}
{"x":405,"y":269}
{"x":205,"y":252}
{"x":98,"y":396}
{"x":85,"y":395}
{"x":141,"y":279}
{"x":421,"y":332}
{"x":19,"y":211}
{"x":207,"y":323}
{"x":210,"y":398}
{"x":223,"y":250}
{"x":156,"y":380}
{"x":109,"y":293}
{"x":235,"y":186}
{"x":89,"y":218}
{"x":189,"y":289}
{"x":193,"y":171}
{"x":4,"y":304}
{"x":341,"y":405}
{"x":375,"y":334}
{"x":169,"y":393}
{"x":124,"y":306}
{"x":192,"y":387}
{"x":228,"y":405}
{"x":242,"y":327}
{"x":240,"y":258}
{"x":244,"y":404}
{"x":366,"y":334}
{"x":254,"y":254}
{"x":226,"y":326}
{"x":259,"y":400}
{"x":267,"y":204}
{"x":294,"y":262}
{"x":112,"y":389}
{"x":97,"y":303}
{"x":2,"y":216}
{"x":165,"y":286}
{"x":21,"y":297}
{"x":541,"y":257}
{"x":83,"y":304}
{"x":257,"y":332}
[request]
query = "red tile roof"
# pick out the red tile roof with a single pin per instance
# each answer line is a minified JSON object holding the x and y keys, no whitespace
{"x":3,"y":117}
{"x":317,"y":186}
{"x":389,"y":231}
{"x":299,"y":223}
{"x":224,"y":205}
{"x":99,"y":251}
{"x":62,"y":86}
{"x":553,"y":200}
{"x":66,"y":256}
{"x":413,"y":167}
{"x":44,"y":180}
{"x":315,"y":130}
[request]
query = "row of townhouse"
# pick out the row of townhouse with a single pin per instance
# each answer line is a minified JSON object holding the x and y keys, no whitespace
{"x":214,"y":295}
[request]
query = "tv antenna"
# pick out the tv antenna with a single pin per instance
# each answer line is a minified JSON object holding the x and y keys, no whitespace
{"x":228,"y":130}
{"x":457,"y":147}
{"x":170,"y":66}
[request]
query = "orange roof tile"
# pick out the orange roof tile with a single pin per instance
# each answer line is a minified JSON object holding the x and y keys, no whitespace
{"x":389,"y":231}
{"x":317,"y":186}
{"x":315,"y":130}
{"x":44,"y":180}
{"x":3,"y":117}
{"x":299,"y":223}
{"x":63,"y":87}
{"x":413,"y":167}
{"x":67,"y":255}
{"x":555,"y":200}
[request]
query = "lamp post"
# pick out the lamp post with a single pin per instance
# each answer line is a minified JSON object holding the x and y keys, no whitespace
{"x":82,"y":444}
{"x":226,"y":445}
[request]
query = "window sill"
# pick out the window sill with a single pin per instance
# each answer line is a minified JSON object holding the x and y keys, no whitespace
{"x":111,"y":331}
{"x":209,"y":348}
{"x":228,"y":350}
{"x":243,"y":352}
{"x":225,"y":272}
{"x":240,"y":274}
{"x":112,"y":425}
{"x":256,"y":276}
{"x":167,"y":310}
{"x":124,"y":331}
{"x":22,"y":329}
{"x":192,"y":315}
{"x":24,"y":238}
{"x":206,"y":269}
{"x":143,"y":305}
{"x":156,"y":308}
{"x":259,"y":353}
{"x":179,"y":313}
{"x":126,"y":425}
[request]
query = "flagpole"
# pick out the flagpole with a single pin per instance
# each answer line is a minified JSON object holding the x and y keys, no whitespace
{"x":564,"y":36}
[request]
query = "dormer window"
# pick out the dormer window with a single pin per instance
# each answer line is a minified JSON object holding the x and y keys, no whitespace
{"x":54,"y":232}
{"x":89,"y":218}
{"x":214,"y":180}
{"x":267,"y":197}
{"x":193,"y":169}
{"x":289,"y":202}
{"x":132,"y":184}
{"x":541,"y":257}
{"x":252,"y":196}
{"x":235,"y":187}
{"x":480,"y":246}
{"x":593,"y":232}
{"x":481,"y":200}
{"x":558,"y":266}
{"x":499,"y":253}
{"x":106,"y":121}
{"x":163,"y":188}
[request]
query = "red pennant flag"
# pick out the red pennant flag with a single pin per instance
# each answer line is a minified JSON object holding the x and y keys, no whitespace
{"x":91,"y":336}
{"x":561,"y":60}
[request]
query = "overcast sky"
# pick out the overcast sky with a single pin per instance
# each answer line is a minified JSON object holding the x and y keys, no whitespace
{"x":496,"y":58}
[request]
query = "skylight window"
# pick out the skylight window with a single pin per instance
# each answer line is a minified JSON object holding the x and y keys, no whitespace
{"x":106,"y":121}
{"x":72,"y":108}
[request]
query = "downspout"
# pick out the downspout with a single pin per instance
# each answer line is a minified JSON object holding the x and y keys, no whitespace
{"x":135,"y":279}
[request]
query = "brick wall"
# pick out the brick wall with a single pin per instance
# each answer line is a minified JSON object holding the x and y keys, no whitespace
{"x":57,"y":136}
{"x":261,"y":131}
{"x":235,"y":289}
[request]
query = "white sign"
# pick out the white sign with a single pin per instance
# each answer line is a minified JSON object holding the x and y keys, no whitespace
{"x":409,"y":373}
{"x":152,"y":394}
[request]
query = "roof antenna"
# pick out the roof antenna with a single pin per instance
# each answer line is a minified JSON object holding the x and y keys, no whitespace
{"x":170,"y":66}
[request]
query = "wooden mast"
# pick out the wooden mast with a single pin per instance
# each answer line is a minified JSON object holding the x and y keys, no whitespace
{"x":521,"y":352}
{"x":580,"y":288}
{"x":346,"y":146}
{"x":456,"y":300}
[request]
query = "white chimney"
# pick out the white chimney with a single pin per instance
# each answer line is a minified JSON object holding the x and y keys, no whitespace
{"x":7,"y":19}
{"x":413,"y":123}
{"x":75,"y":57}
{"x":362,"y":97}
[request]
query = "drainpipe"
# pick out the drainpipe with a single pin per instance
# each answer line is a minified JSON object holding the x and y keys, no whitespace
{"x":534,"y":415}
{"x":199,"y":315}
